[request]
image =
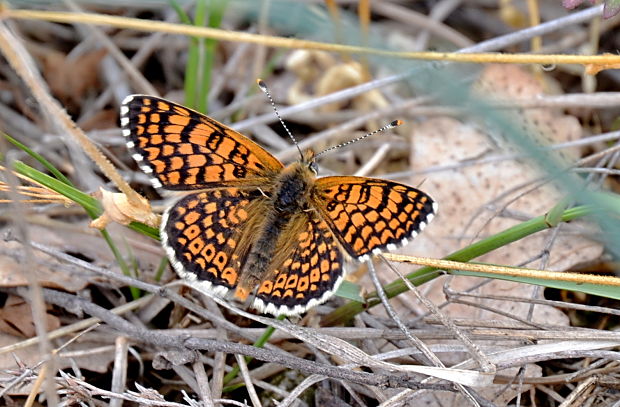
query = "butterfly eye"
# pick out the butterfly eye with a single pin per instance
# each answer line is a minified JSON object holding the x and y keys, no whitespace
{"x":313,"y":167}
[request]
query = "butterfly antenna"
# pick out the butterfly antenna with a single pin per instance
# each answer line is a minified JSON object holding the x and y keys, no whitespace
{"x":393,"y":124}
{"x":263,"y":87}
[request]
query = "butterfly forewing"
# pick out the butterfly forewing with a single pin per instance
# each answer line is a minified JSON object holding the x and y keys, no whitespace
{"x":369,"y":215}
{"x":183,"y":150}
{"x":307,"y":268}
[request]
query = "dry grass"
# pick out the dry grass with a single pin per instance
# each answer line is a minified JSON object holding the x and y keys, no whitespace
{"x":72,"y":330}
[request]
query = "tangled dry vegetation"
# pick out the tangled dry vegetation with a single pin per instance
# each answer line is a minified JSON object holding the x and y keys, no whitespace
{"x":96,"y":317}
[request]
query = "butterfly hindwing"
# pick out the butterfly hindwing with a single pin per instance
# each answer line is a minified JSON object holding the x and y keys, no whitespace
{"x":307,"y":268}
{"x":369,"y":215}
{"x":181,"y":149}
{"x":207,"y":235}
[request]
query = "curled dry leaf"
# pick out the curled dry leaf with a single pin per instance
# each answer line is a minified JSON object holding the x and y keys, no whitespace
{"x":512,"y":15}
{"x":117,"y":208}
{"x":309,"y":65}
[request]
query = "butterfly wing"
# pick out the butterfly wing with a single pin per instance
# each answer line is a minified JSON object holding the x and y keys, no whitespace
{"x":370,"y":215}
{"x":307,"y":268}
{"x":181,"y":149}
{"x":207,"y":235}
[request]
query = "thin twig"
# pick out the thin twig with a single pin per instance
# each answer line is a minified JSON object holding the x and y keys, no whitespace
{"x":119,"y":371}
{"x":248,"y":381}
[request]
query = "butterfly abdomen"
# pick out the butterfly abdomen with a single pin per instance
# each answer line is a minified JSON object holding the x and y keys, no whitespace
{"x":288,"y":197}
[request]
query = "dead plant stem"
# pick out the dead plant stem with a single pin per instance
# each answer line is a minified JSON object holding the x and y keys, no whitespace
{"x":506,"y":271}
{"x":294,"y":43}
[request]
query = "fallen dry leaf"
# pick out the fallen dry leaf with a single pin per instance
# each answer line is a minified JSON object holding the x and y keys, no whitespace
{"x":88,"y":354}
{"x":71,"y":77}
{"x":16,"y":318}
{"x":471,"y":197}
{"x":49,"y":271}
{"x":477,"y":201}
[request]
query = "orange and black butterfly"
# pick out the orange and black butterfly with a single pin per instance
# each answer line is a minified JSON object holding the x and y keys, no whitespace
{"x":250,"y":225}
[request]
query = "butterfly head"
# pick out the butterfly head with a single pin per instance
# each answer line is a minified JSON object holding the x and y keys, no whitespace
{"x":308,"y":161}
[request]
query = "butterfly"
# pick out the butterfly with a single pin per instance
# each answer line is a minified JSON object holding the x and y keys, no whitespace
{"x":275,"y":236}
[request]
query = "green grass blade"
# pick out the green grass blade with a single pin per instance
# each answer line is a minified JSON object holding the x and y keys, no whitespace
{"x":92,"y":208}
{"x":59,"y":175}
{"x":191,"y":73}
{"x":349,"y":291}
{"x":163,"y":265}
{"x":216,"y":14}
{"x":90,"y":204}
{"x":180,"y":12}
{"x":135,"y":292}
{"x":193,"y":60}
{"x":196,"y":60}
{"x":145,"y":230}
